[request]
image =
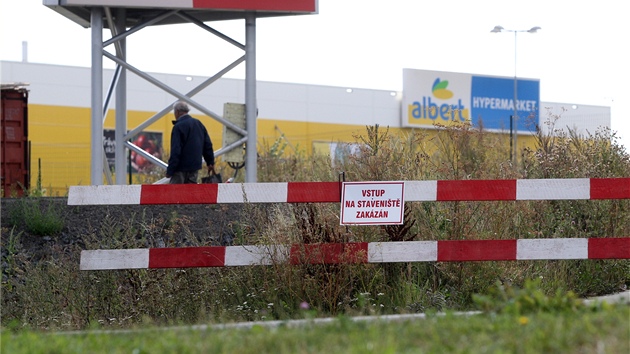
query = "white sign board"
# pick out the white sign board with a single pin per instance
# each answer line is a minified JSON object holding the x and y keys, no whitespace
{"x":438,"y":98}
{"x":372,"y":203}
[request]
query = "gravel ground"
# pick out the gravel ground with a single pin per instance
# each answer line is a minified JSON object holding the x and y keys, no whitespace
{"x":211,"y":224}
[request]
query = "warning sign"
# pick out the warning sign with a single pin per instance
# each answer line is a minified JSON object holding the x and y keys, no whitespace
{"x":372,"y":203}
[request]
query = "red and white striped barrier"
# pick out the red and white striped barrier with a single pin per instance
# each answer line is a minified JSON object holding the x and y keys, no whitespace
{"x":329,"y":192}
{"x":359,"y":252}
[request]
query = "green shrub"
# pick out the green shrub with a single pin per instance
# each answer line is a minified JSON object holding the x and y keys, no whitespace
{"x":38,"y":218}
{"x":506,"y":298}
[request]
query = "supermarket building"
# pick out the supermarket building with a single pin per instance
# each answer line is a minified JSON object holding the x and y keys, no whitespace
{"x":311,"y":118}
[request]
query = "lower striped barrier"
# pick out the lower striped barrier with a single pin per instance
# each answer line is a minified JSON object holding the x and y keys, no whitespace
{"x":359,"y":252}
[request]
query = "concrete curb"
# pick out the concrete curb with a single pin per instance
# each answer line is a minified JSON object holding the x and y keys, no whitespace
{"x":620,"y":298}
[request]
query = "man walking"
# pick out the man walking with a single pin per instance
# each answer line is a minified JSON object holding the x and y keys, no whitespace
{"x":189,"y":141}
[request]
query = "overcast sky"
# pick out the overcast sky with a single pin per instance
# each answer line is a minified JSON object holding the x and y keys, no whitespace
{"x":581,"y":55}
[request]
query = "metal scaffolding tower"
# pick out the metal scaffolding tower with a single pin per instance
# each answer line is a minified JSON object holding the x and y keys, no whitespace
{"x":126,"y":17}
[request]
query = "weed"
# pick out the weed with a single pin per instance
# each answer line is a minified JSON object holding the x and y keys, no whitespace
{"x":505,"y":298}
{"x":55,"y":294}
{"x":40,"y":219}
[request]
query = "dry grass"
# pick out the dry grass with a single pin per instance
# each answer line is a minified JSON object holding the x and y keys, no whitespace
{"x":53,"y":293}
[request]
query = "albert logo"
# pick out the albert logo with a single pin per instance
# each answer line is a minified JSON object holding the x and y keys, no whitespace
{"x":440,"y":89}
{"x":429,"y":109}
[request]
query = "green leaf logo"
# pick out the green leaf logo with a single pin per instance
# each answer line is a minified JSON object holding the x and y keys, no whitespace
{"x":440,"y":89}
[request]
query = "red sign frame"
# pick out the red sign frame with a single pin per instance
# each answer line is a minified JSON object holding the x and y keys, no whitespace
{"x":258,"y":5}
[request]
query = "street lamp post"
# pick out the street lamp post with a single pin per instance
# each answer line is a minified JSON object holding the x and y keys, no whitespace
{"x":514,"y":117}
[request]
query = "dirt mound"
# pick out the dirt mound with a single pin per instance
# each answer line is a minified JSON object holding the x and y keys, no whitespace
{"x":208,"y":224}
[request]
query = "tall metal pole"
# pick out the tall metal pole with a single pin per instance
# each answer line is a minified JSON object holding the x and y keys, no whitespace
{"x":96,"y":170}
{"x":121,"y":103}
{"x":515,"y":116}
{"x":251,"y":109}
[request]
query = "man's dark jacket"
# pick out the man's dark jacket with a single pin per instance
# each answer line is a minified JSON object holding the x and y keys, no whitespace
{"x":189,"y":141}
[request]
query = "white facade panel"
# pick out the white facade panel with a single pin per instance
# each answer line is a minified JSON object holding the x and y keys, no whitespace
{"x":582,"y":119}
{"x":70,"y":86}
{"x":282,"y":101}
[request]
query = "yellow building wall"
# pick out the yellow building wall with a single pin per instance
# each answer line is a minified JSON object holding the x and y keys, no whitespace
{"x":307,"y":138}
{"x":60,"y":140}
{"x":301,"y":136}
